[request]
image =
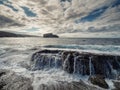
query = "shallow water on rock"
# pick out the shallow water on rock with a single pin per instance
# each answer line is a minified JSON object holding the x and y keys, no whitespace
{"x":16,"y":53}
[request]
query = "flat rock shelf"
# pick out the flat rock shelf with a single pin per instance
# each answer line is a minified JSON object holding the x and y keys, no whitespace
{"x":97,"y":67}
{"x":79,"y":63}
{"x":64,"y":70}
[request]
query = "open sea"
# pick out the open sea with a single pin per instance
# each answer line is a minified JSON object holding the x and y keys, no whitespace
{"x":111,"y":45}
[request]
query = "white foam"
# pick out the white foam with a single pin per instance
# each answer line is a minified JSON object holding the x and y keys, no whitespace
{"x":53,"y":76}
{"x":110,"y":83}
{"x":99,"y":49}
{"x":12,"y":60}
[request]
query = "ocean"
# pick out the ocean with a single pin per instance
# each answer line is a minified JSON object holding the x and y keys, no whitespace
{"x":110,"y":45}
{"x":16,"y":53}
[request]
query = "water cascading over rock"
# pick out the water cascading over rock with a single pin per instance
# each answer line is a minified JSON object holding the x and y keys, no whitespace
{"x":44,"y":59}
{"x":77,"y":63}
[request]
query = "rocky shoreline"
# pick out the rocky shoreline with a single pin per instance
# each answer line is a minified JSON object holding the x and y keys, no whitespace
{"x":98,"y":68}
{"x":10,"y":81}
{"x":80,"y":63}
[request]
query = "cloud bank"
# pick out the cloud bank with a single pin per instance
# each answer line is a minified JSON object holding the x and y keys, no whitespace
{"x":72,"y":18}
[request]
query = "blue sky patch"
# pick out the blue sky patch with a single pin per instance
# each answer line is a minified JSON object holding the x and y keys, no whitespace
{"x":28,"y":12}
{"x":3,"y":2}
{"x":92,"y":15}
{"x":116,"y":3}
{"x":96,"y":13}
{"x":14,"y":9}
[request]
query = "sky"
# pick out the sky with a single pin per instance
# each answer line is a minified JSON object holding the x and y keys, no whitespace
{"x":67,"y":18}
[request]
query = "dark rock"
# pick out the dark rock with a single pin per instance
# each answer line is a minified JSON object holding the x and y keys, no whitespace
{"x":80,"y":63}
{"x":117,"y":85}
{"x":65,"y":0}
{"x":68,"y":64}
{"x":50,"y":35}
{"x":99,"y":81}
{"x":60,"y":85}
{"x":2,"y":73}
{"x":10,"y":81}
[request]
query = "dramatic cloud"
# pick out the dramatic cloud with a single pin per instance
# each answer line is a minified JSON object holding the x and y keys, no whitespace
{"x":5,"y":22}
{"x":64,"y":17}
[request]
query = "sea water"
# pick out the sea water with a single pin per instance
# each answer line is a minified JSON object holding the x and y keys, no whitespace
{"x":15,"y":55}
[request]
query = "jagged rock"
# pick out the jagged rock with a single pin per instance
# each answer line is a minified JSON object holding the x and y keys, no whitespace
{"x":68,"y":64}
{"x":60,"y":85}
{"x":99,"y":81}
{"x":117,"y":85}
{"x":80,"y":63}
{"x":10,"y":81}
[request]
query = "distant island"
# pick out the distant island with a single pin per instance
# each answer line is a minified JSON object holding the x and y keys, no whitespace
{"x":9,"y":34}
{"x":50,"y":35}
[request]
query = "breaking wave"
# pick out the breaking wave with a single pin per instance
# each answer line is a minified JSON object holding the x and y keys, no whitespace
{"x":112,"y":49}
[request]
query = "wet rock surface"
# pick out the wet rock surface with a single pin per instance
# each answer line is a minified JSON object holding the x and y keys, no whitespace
{"x":67,"y":86}
{"x":10,"y":81}
{"x":97,"y":66}
{"x":99,"y":81}
{"x":80,"y":63}
{"x":117,"y":85}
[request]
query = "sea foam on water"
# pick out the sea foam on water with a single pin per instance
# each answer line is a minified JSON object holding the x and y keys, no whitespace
{"x":47,"y":70}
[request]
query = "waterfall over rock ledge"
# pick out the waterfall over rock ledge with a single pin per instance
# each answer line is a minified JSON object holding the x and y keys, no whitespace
{"x":73,"y":62}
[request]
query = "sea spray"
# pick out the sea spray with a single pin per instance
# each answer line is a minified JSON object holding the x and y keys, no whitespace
{"x":66,"y":62}
{"x":75,"y":65}
{"x":91,"y":67}
{"x":81,"y":63}
{"x":54,"y":77}
{"x":112,"y":72}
